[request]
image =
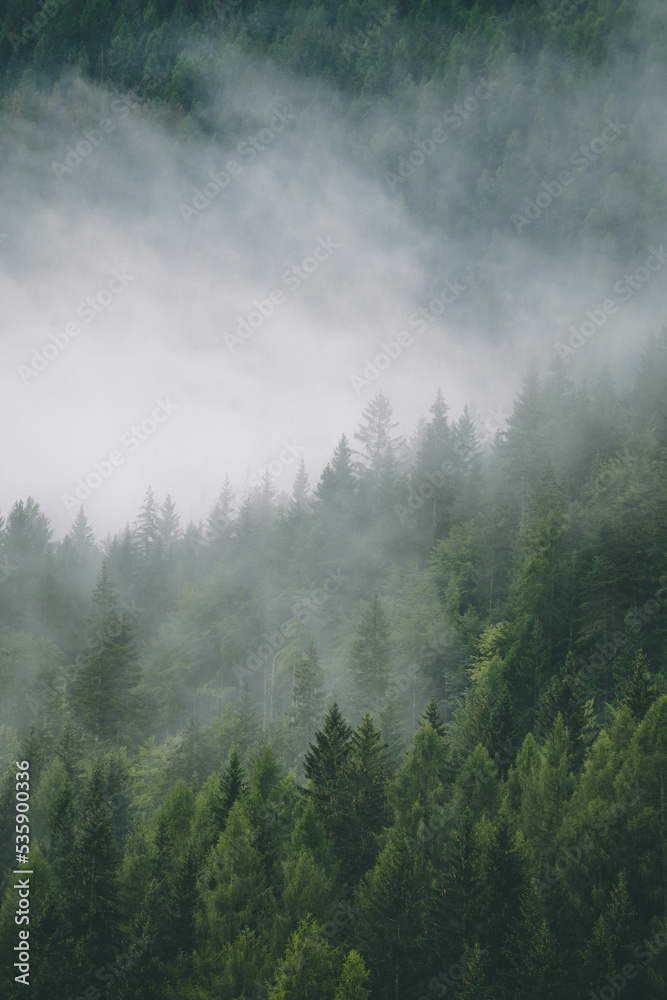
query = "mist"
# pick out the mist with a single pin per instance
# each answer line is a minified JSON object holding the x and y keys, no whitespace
{"x":312,"y":169}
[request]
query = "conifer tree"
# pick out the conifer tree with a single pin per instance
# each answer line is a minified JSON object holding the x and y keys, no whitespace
{"x":366,"y":780}
{"x":232,"y":786}
{"x":82,"y":536}
{"x":169,"y":525}
{"x":432,"y":716}
{"x":104,"y":686}
{"x":307,"y":693}
{"x":387,"y":925}
{"x":325,"y":767}
{"x":91,"y":877}
{"x":369,"y":659}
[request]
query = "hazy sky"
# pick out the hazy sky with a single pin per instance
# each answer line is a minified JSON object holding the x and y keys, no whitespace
{"x":226,"y":318}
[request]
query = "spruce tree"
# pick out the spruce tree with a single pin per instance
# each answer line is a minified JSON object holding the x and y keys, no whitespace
{"x":103,"y":688}
{"x":307,"y":693}
{"x":232,"y":786}
{"x":366,"y":779}
{"x":369,"y":659}
{"x":325,"y":767}
{"x":432,"y":716}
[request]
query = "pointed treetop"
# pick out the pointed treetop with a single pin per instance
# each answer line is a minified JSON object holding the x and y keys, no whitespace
{"x":81,"y":534}
{"x":433,"y":716}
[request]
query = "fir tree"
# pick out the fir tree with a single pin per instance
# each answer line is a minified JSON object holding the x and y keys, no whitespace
{"x":104,"y":686}
{"x":432,"y":716}
{"x":369,"y":660}
{"x":366,"y":780}
{"x":325,"y":766}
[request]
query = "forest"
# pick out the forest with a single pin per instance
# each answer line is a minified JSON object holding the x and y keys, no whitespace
{"x":398,"y":731}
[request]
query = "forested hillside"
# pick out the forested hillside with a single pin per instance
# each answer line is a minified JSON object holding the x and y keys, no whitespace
{"x":400,"y":731}
{"x":336,"y":741}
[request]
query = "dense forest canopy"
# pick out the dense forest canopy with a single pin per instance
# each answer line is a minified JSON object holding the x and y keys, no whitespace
{"x":401,"y":728}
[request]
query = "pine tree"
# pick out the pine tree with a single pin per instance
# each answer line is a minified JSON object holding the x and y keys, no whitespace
{"x":386,"y":930}
{"x":232,"y":786}
{"x":353,"y":979}
{"x":391,"y":729}
{"x":220,"y":518}
{"x":522,"y":447}
{"x":91,"y":877}
{"x":307,"y":694}
{"x":563,"y":696}
{"x":454,"y":900}
{"x":369,"y":660}
{"x":531,"y":955}
{"x":366,"y":780}
{"x":433,"y":473}
{"x":169,"y":530}
{"x":308,"y":970}
{"x":338,"y":481}
{"x":325,"y":767}
{"x":555,"y":784}
{"x":432,"y":716}
{"x":104,"y":687}
{"x":233,"y":890}
{"x":82,"y":536}
{"x":147,"y":531}
{"x":615,"y":930}
{"x":641,"y":690}
{"x":301,"y":489}
{"x":381,"y":450}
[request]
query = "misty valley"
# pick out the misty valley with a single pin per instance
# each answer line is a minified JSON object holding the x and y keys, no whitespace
{"x":333,"y":515}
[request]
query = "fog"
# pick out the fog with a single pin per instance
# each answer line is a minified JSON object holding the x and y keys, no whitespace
{"x":236,"y":324}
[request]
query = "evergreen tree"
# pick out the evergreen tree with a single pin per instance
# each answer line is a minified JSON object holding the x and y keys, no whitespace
{"x":307,"y":693}
{"x":369,"y":660}
{"x":366,"y":781}
{"x":147,"y":531}
{"x":301,"y":489}
{"x":91,"y":879}
{"x":104,"y":686}
{"x":169,"y":530}
{"x":381,"y":452}
{"x":325,"y":767}
{"x":82,"y":536}
{"x":388,"y":919}
{"x":232,"y":787}
{"x":432,"y":716}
